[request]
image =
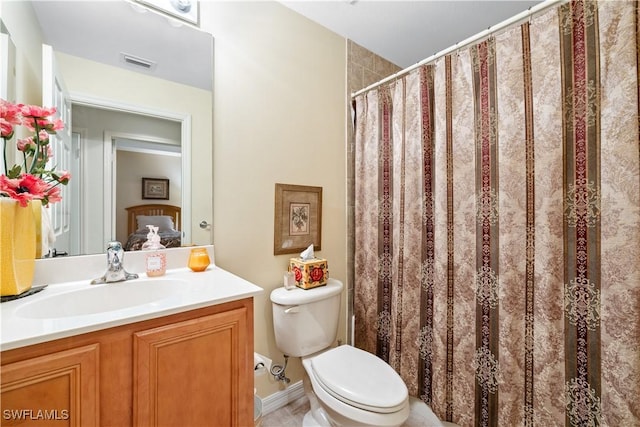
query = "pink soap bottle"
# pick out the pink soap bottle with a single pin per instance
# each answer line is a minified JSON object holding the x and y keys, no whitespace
{"x":155,"y":260}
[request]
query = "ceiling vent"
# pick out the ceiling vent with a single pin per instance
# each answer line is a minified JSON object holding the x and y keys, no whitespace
{"x":136,"y":61}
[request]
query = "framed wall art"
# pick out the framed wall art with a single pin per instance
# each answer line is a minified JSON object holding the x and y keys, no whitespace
{"x":298,"y":218}
{"x":155,"y":188}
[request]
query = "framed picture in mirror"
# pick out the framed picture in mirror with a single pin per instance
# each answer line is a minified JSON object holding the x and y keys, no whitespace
{"x":155,"y":188}
{"x":298,"y":218}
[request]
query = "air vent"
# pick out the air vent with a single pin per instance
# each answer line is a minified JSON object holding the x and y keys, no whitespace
{"x":136,"y":61}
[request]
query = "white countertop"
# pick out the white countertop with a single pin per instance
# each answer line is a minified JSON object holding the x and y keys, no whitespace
{"x":211,"y":287}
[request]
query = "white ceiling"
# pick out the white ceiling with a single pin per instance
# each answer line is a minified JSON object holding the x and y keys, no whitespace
{"x":403,"y":32}
{"x":102,"y":30}
{"x":406,"y":32}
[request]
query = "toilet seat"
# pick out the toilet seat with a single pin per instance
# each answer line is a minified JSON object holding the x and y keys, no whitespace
{"x":360,"y":379}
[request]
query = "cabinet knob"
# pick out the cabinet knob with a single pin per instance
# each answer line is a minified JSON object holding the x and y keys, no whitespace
{"x":204,"y":224}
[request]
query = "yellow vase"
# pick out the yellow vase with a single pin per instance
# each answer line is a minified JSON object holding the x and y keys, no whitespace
{"x":17,"y":247}
{"x":36,"y":205}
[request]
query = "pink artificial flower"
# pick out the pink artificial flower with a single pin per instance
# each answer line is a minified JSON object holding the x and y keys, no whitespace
{"x":9,"y":116}
{"x":23,"y":189}
{"x":41,"y":184}
{"x":35,"y":111}
{"x":58,"y":124}
{"x":31,"y":123}
{"x":24,"y":144}
{"x":43,"y":136}
{"x":9,"y":112}
{"x":6,"y":129}
{"x":8,"y":185}
{"x":53,"y":195}
{"x":62,"y":177}
{"x":34,"y":116}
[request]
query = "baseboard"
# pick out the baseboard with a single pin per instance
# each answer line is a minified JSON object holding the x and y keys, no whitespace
{"x":282,"y":398}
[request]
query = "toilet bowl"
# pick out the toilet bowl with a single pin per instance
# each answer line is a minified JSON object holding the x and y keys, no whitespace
{"x":346,"y":386}
{"x":356,"y":388}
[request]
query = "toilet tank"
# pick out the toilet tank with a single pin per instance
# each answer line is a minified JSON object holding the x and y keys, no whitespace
{"x":306,"y":320}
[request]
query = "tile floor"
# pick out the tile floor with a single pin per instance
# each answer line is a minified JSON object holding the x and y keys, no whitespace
{"x":292,"y":414}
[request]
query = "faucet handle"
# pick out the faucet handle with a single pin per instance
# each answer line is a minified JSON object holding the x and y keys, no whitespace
{"x":115,"y":268}
{"x":115,"y":253}
{"x":114,"y":247}
{"x":115,"y":257}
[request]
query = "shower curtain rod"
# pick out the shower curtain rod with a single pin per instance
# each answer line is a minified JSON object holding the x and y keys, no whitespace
{"x":475,"y":38}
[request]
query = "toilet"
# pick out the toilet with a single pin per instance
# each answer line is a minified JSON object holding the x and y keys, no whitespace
{"x":346,"y":386}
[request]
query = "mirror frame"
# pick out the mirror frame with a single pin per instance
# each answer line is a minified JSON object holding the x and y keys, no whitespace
{"x":182,"y":118}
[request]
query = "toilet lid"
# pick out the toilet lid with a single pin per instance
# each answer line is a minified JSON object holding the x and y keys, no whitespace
{"x":360,"y":379}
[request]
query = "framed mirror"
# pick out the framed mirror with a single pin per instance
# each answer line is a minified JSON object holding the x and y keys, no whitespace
{"x":120,"y":59}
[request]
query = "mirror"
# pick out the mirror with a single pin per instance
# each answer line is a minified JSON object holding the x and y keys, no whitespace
{"x":138,"y":147}
{"x":120,"y":61}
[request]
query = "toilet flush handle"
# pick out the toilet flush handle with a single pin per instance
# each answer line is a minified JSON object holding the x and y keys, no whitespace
{"x":292,"y":310}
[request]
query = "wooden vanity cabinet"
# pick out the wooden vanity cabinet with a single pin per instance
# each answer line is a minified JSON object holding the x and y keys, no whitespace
{"x":57,"y":389}
{"x":187,"y":369}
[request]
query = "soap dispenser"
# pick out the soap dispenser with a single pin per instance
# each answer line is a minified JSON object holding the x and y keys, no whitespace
{"x":155,"y":260}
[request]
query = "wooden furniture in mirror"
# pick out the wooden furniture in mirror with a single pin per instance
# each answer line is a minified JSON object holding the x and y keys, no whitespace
{"x":166,"y":217}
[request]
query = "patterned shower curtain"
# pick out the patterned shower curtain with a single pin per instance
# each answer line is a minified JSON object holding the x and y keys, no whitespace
{"x":497,"y":212}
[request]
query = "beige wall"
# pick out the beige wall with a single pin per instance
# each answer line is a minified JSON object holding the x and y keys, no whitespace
{"x":279,"y":117}
{"x":21,"y":20}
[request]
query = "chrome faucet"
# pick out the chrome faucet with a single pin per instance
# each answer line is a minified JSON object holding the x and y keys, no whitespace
{"x":115,"y":270}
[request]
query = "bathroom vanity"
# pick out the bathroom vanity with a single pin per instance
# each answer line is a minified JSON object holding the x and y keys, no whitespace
{"x":182,"y":358}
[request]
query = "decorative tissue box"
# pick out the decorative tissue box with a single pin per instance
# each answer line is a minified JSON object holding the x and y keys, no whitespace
{"x":309,"y":273}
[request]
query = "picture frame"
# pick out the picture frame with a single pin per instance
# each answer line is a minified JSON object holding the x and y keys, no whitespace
{"x":297,"y":219}
{"x":155,"y":188}
{"x":186,"y":10}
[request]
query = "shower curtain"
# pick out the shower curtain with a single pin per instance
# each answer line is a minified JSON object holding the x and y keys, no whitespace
{"x":497,"y":224}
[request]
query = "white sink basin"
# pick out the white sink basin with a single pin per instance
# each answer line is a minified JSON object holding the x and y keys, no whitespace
{"x":95,"y":299}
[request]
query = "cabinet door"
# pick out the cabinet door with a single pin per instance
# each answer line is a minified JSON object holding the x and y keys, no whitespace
{"x":59,"y":389}
{"x":194,"y":373}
